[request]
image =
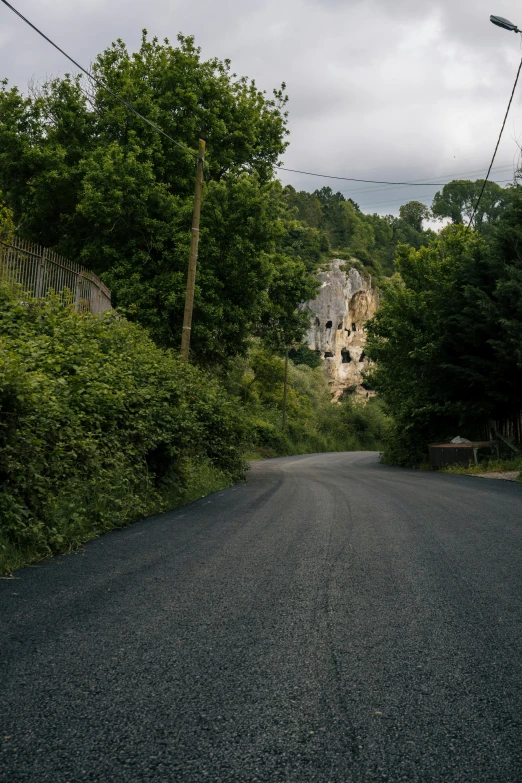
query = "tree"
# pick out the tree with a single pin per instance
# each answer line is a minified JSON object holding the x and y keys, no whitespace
{"x":413,"y":213}
{"x":96,"y":183}
{"x":458,"y":200}
{"x":7,"y":226}
{"x":371,"y":238}
{"x":306,"y":356}
{"x":283,"y":323}
{"x":310,"y":245}
{"x":308,"y":208}
{"x":446,"y":339}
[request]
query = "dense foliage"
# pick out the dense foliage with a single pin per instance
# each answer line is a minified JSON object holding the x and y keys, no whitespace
{"x":99,"y":421}
{"x":372,"y":239}
{"x":96,"y":183}
{"x":7,"y":226}
{"x":314,"y":423}
{"x":97,"y":424}
{"x":447,"y":338}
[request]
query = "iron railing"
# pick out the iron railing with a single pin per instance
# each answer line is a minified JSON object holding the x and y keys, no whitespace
{"x":37,"y":271}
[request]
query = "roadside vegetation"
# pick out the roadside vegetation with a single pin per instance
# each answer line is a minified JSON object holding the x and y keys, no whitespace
{"x":447,"y":337}
{"x":488,"y":466}
{"x":447,"y":340}
{"x":100,"y":423}
{"x":100,"y":426}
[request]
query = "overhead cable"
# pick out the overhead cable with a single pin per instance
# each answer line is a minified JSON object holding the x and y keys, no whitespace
{"x":496,"y":146}
{"x":394,"y":197}
{"x":456,"y":175}
{"x":364,"y":204}
{"x":354,"y":179}
{"x":100,"y":82}
{"x":418,"y":183}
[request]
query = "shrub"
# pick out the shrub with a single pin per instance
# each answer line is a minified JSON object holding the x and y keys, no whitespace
{"x":97,"y":424}
{"x":364,"y":422}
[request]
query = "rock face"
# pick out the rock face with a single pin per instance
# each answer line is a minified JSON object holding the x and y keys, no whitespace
{"x":337,"y":316}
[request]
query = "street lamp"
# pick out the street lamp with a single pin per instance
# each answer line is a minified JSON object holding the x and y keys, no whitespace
{"x":505,"y":23}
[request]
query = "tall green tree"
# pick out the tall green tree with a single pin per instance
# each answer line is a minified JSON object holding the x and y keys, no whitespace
{"x":7,"y":226}
{"x":445,"y":339}
{"x":90,"y":179}
{"x":457,"y":201}
{"x":413,"y":213}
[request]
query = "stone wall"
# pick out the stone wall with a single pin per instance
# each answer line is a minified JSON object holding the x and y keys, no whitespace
{"x":344,"y":303}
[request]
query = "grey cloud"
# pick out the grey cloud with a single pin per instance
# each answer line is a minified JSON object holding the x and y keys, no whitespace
{"x":384,"y":90}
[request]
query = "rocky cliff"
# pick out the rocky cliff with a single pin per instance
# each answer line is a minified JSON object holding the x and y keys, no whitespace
{"x":344,"y":303}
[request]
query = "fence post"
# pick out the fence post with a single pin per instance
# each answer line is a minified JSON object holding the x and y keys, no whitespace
{"x":40,"y":276}
{"x":78,"y":292}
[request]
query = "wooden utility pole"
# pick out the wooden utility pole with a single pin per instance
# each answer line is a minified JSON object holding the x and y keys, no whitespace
{"x":284,"y":388}
{"x":194,"y":239}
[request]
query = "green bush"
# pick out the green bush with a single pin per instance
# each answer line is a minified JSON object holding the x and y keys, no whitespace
{"x":305,"y":355}
{"x":98,"y":425}
{"x":270,"y":437}
{"x":313,"y":422}
{"x":364,"y":422}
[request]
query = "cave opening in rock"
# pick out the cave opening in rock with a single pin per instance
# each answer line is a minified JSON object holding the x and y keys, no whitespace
{"x":354,"y":328}
{"x":339,"y":328}
{"x":328,"y":325}
{"x":317,"y":322}
{"x":328,"y":355}
{"x":346,"y":356}
{"x":363,"y":357}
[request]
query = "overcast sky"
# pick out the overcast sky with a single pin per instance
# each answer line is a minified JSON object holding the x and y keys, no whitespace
{"x":402,"y":90}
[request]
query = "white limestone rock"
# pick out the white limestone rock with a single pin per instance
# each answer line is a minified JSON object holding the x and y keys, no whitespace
{"x":344,"y":303}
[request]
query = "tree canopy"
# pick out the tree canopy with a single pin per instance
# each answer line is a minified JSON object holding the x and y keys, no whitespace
{"x":91,"y":180}
{"x":457,"y":200}
{"x":7,"y":226}
{"x":447,"y":337}
{"x":371,"y":238}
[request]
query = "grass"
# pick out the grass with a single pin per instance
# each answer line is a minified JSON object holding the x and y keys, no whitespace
{"x":489,"y":466}
{"x":202,"y":479}
{"x":255,"y":455}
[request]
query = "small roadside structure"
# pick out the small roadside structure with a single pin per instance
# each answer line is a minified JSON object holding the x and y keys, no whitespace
{"x":459,"y":452}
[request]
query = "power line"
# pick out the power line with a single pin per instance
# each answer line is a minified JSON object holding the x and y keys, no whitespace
{"x":496,"y":146}
{"x":99,"y":82}
{"x":417,"y":183}
{"x":454,"y":175}
{"x":365,"y":204}
{"x":427,"y":195}
{"x":391,"y":192}
{"x":354,"y":179}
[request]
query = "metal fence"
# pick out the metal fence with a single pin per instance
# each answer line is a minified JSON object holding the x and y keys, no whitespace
{"x":38,"y":271}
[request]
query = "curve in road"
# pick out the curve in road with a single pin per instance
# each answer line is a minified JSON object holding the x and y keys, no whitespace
{"x":332,"y":619}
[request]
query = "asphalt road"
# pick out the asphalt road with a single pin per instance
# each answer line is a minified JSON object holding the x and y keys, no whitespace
{"x":330,"y":620}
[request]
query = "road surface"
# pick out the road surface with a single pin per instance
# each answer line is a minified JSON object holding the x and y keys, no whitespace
{"x":331,"y":619}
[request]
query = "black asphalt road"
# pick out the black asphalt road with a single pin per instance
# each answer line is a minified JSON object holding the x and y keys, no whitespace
{"x":330,"y":620}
